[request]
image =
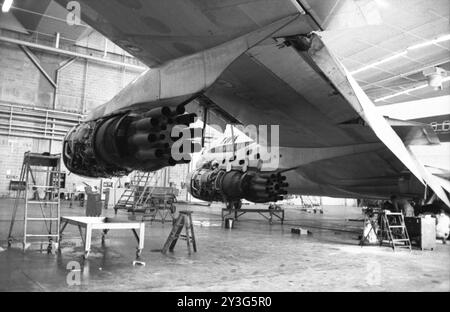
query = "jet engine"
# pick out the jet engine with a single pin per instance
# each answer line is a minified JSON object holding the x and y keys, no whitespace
{"x":117,"y":145}
{"x":220,"y":185}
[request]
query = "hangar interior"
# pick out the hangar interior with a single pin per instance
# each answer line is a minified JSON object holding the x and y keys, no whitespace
{"x":55,"y":70}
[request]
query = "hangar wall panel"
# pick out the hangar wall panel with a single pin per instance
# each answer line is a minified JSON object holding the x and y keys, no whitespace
{"x":12,"y":150}
{"x":19,"y":78}
{"x":177,"y":177}
{"x":81,"y":85}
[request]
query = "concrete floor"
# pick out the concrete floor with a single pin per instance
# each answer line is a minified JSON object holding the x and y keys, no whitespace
{"x":254,"y":256}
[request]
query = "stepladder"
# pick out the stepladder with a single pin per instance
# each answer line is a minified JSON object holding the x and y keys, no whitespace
{"x":393,"y":230}
{"x":39,"y":196}
{"x":183,"y":221}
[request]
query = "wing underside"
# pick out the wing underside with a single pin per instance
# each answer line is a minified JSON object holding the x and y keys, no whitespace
{"x":279,"y":78}
{"x":318,"y":104}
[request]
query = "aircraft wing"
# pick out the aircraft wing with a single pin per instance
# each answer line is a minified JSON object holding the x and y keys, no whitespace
{"x":157,"y":32}
{"x":252,"y":60}
{"x":318,"y":104}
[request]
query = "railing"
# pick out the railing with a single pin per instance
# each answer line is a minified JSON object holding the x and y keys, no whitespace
{"x":34,"y":122}
{"x":68,"y":47}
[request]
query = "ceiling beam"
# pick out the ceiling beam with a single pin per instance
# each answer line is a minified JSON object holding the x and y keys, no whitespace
{"x":70,"y":53}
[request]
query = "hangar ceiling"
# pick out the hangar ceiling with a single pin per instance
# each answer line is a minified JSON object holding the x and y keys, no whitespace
{"x":402,"y":46}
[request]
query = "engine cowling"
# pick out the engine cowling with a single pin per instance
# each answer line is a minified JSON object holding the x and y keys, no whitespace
{"x":117,"y":145}
{"x":220,"y":185}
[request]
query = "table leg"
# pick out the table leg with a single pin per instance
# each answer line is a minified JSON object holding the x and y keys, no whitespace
{"x":62,"y":228}
{"x":141,"y":236}
{"x":188,"y":238}
{"x":60,"y":234}
{"x":104,"y":236}
{"x":87,"y":245}
{"x":140,"y":239}
{"x":82,"y":236}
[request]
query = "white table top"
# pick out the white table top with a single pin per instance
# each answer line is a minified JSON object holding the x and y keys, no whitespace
{"x":101,"y":222}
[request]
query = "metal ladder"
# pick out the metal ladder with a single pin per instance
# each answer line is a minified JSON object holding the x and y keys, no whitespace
{"x":152,"y":208}
{"x":393,"y":230}
{"x":133,"y":196}
{"x":39,"y":172}
{"x":144,"y":201}
{"x":146,"y":195}
{"x":184,"y":220}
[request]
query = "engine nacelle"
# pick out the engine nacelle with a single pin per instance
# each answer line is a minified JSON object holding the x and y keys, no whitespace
{"x":117,"y":145}
{"x":220,"y":185}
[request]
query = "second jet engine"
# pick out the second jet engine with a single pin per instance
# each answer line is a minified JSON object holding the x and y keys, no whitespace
{"x":215,"y":184}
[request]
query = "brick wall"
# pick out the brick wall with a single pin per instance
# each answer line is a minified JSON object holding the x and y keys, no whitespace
{"x":81,"y":84}
{"x":19,"y":78}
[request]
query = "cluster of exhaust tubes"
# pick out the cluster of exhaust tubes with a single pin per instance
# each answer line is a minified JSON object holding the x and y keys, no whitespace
{"x":161,"y":137}
{"x":152,"y":137}
{"x":220,"y":185}
{"x":117,"y":145}
{"x":268,"y":187}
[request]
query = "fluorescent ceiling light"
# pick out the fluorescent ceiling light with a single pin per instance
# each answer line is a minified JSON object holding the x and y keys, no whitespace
{"x":401,"y":93}
{"x":407,"y":91}
{"x":411,"y":48}
{"x":6,"y":5}
{"x":429,"y":43}
{"x":383,"y":3}
{"x":298,"y":6}
{"x":443,"y":38}
{"x":388,"y":59}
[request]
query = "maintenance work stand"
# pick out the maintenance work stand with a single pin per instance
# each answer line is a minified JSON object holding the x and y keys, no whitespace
{"x":266,"y":213}
{"x":104,"y":224}
{"x":146,"y":200}
{"x":161,"y":205}
{"x":137,"y":195}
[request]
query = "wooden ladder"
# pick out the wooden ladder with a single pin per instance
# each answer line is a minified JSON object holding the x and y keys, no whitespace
{"x":184,"y":220}
{"x":393,"y":230}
